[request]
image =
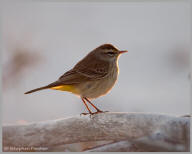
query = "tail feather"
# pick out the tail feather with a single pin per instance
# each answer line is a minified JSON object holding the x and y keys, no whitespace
{"x":45,"y":87}
{"x":34,"y":90}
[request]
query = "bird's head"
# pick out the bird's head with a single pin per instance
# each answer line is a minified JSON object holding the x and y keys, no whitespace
{"x":108,"y":52}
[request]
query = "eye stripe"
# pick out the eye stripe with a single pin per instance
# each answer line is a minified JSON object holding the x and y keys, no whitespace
{"x":111,"y":53}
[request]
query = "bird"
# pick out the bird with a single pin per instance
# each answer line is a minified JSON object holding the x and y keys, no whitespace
{"x":91,"y":77}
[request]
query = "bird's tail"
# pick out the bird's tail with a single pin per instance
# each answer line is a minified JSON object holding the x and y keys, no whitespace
{"x":37,"y":89}
{"x":44,"y":87}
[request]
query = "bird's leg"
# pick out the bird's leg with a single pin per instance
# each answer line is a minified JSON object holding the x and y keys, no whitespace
{"x":86,"y":107}
{"x":98,"y":111}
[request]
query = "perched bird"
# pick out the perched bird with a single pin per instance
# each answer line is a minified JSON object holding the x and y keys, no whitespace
{"x":91,"y":77}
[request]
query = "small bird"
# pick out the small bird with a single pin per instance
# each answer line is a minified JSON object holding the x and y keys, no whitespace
{"x":91,"y":77}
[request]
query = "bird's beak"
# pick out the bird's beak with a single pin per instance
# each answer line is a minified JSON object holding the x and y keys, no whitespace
{"x":123,"y":51}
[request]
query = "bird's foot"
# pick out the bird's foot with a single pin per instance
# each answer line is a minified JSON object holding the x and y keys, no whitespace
{"x":85,"y":113}
{"x":92,"y":113}
{"x":99,"y":111}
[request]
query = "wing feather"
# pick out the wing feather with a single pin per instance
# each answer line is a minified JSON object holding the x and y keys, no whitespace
{"x":82,"y":72}
{"x":92,"y":67}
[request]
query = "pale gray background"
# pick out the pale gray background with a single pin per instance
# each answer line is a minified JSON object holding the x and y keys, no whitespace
{"x":154,"y":74}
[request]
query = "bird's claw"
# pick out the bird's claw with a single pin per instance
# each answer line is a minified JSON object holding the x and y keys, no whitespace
{"x":99,"y":111}
{"x":85,"y":113}
{"x":92,"y":113}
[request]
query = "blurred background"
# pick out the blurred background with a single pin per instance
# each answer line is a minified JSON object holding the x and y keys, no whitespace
{"x":42,"y":40}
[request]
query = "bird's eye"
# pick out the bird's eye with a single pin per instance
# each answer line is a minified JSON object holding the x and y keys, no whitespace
{"x":110,"y":53}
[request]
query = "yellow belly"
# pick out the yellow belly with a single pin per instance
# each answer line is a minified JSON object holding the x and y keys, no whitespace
{"x":68,"y":88}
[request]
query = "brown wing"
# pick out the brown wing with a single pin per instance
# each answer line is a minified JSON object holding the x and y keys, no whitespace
{"x":92,"y":67}
{"x":89,"y":68}
{"x":72,"y":77}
